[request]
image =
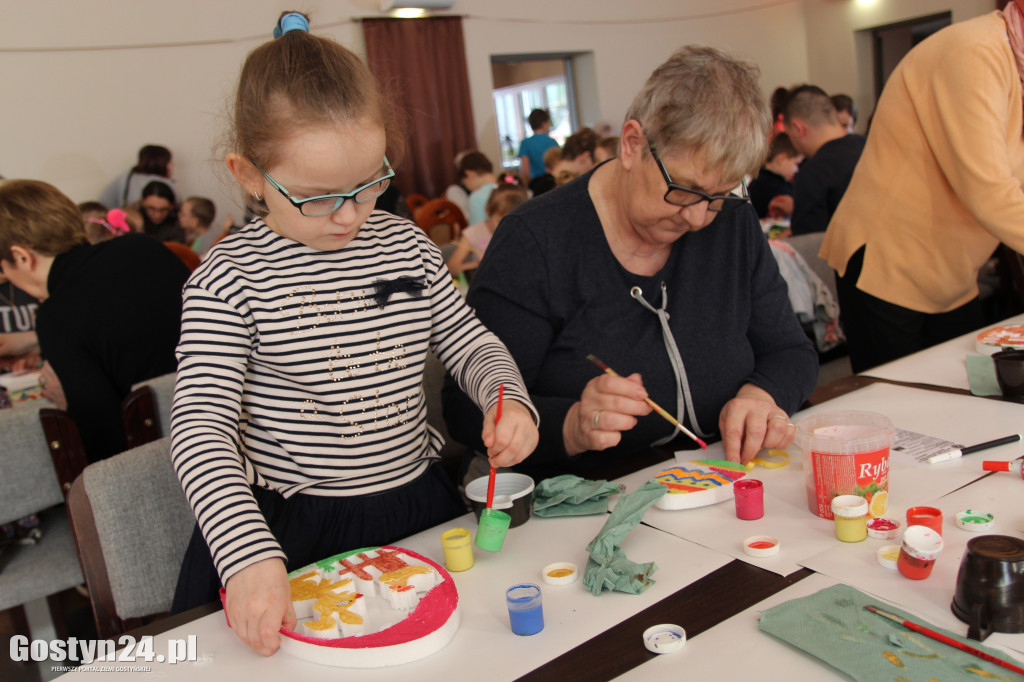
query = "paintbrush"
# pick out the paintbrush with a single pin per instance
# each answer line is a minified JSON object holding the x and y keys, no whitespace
{"x":494,"y":471}
{"x":939,"y":637}
{"x":657,"y":408}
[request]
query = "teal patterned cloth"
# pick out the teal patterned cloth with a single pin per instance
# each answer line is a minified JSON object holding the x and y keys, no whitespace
{"x":834,"y":626}
{"x":608,"y":568}
{"x":569,"y":495}
{"x":981,"y":373}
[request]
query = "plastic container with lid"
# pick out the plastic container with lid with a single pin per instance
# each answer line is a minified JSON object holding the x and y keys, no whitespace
{"x":921,"y":547}
{"x":845,"y":452}
{"x":851,"y":515}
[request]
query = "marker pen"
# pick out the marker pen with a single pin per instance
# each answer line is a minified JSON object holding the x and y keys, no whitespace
{"x":953,"y":454}
{"x":1014,"y":466}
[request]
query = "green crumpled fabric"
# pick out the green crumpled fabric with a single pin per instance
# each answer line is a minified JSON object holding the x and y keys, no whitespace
{"x":569,"y":495}
{"x":608,"y":567}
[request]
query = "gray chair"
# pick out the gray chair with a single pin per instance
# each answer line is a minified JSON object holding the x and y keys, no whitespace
{"x":30,"y":484}
{"x":433,"y":379}
{"x":146,"y":411}
{"x":808,"y":246}
{"x":132,"y":523}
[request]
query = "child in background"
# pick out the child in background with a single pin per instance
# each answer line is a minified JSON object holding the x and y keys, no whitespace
{"x":475,"y":238}
{"x":607,"y":148}
{"x":299,"y":422}
{"x":776,"y":179}
{"x":476,"y":172}
{"x":531,"y":150}
{"x":195,"y":216}
{"x":579,"y":151}
{"x":101,"y":224}
{"x":546,"y":182}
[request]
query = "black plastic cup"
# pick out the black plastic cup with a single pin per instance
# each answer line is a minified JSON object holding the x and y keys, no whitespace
{"x":989,"y":594}
{"x":1010,"y":373}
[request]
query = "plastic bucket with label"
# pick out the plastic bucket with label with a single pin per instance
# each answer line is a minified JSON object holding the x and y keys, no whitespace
{"x":845,"y":453}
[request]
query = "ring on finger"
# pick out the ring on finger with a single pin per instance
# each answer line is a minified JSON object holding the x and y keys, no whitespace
{"x":597,"y":416}
{"x":782,"y":416}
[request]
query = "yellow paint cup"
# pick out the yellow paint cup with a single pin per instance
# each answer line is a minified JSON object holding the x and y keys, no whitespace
{"x":458,"y":549}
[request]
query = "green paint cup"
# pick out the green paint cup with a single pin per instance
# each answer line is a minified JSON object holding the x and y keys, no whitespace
{"x":490,"y":535}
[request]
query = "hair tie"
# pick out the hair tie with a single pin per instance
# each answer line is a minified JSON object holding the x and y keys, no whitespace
{"x":117,"y":221}
{"x":290,"y":22}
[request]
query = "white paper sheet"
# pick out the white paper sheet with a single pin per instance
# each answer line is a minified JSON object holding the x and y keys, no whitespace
{"x":763,"y":658}
{"x":484,"y":646}
{"x":855,"y":563}
{"x":956,"y":418}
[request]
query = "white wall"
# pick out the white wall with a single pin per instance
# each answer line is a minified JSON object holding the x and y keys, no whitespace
{"x":75,"y":109}
{"x":839,"y":41}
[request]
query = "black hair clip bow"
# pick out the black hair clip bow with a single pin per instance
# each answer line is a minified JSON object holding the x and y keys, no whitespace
{"x":414,"y":285}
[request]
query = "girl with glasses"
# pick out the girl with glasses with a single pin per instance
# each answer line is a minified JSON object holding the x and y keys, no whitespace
{"x":299,"y":422}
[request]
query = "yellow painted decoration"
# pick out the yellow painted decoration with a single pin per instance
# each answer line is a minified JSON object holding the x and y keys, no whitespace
{"x":780,"y":458}
{"x":400,"y":578}
{"x":893,"y":658}
{"x":331,"y":604}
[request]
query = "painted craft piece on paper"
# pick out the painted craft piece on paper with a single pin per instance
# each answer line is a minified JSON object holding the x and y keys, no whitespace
{"x":1003,"y":336}
{"x":699,"y":483}
{"x":371,"y":608}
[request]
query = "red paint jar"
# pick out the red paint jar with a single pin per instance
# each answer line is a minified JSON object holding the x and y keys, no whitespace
{"x":921,"y":547}
{"x":749,"y":495}
{"x":925,"y":516}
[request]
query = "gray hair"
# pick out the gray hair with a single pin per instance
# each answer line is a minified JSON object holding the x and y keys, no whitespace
{"x":703,"y":100}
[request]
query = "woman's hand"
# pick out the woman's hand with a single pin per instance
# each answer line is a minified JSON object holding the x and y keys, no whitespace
{"x":608,"y":406}
{"x":751,"y":422}
{"x":52,"y":390}
{"x":258,"y":602}
{"x":514,"y":437}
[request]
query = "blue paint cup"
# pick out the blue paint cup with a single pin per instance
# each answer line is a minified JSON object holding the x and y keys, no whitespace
{"x":525,"y":610}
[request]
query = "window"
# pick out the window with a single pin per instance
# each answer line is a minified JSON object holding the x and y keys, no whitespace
{"x":513,"y":104}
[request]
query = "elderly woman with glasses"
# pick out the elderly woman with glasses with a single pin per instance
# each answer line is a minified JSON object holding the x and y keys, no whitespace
{"x":653,"y":264}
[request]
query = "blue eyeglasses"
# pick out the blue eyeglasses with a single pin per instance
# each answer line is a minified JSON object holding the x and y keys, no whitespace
{"x":329,"y":203}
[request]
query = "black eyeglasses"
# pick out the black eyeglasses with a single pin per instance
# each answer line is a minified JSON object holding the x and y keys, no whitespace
{"x":677,"y":195}
{"x":326,"y":204}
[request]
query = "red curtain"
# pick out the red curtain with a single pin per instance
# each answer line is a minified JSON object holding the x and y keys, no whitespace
{"x":421,"y":63}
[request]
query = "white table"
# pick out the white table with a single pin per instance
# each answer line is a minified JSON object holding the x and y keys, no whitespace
{"x":958,"y":418}
{"x":855,"y":563}
{"x":484,"y":646}
{"x":763,"y":658}
{"x":940,"y":365}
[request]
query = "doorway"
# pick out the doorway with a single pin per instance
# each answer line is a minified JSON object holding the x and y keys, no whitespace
{"x":891,"y":42}
{"x":523,"y":83}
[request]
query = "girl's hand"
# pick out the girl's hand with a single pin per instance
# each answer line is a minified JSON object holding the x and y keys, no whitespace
{"x":258,"y":603}
{"x":751,"y":422}
{"x":515,"y":436}
{"x":608,"y":406}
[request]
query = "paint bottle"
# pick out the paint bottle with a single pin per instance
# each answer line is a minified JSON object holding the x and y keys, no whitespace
{"x":525,"y":609}
{"x":925,"y":516}
{"x":921,"y":547}
{"x":851,"y":516}
{"x":749,"y":495}
{"x":458,"y":549}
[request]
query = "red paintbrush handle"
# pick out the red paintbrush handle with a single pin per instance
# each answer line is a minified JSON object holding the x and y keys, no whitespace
{"x":963,"y":647}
